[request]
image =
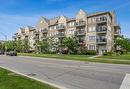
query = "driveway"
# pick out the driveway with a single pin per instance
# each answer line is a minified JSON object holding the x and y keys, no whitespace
{"x":69,"y":74}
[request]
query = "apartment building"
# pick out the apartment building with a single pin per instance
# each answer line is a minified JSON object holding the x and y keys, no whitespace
{"x":96,"y":31}
{"x":26,"y":34}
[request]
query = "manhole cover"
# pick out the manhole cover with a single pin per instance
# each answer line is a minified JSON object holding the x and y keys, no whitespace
{"x":31,"y":74}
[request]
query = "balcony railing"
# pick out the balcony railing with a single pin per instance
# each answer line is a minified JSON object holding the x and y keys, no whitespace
{"x":44,"y":37}
{"x":80,"y":23}
{"x":18,"y":35}
{"x":80,"y":33}
{"x":36,"y":32}
{"x":81,"y":42}
{"x":117,"y":32}
{"x":101,"y":41}
{"x":101,"y":19}
{"x":60,"y":35}
{"x":36,"y":38}
{"x":14,"y":37}
{"x":60,"y":27}
{"x":101,"y":29}
{"x":44,"y":30}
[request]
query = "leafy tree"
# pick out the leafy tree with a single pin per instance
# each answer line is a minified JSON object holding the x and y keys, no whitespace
{"x":53,"y":44}
{"x":2,"y":46}
{"x":19,"y":46}
{"x":10,"y":45}
{"x":43,"y":46}
{"x":25,"y":45}
{"x":123,"y":43}
{"x":70,"y":43}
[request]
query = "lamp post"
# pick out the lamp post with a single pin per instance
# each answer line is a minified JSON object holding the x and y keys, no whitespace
{"x":5,"y":36}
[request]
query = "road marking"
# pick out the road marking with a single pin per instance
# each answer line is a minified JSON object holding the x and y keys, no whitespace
{"x":43,"y":81}
{"x":126,"y":82}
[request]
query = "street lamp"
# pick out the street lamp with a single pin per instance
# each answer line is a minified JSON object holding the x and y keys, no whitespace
{"x":5,"y":36}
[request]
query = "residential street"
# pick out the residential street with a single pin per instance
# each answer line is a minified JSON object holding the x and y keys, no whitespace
{"x":69,"y":74}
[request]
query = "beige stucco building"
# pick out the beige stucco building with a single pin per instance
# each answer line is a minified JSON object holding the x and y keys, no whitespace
{"x":96,"y":31}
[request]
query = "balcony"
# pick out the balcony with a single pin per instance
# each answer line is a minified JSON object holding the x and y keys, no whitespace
{"x":81,"y":42}
{"x":44,"y":37}
{"x":101,"y":41}
{"x":61,"y":35}
{"x":80,"y":24}
{"x":18,"y":35}
{"x":60,"y":27}
{"x":101,"y":30}
{"x":14,"y":37}
{"x":80,"y":33}
{"x":44,"y":30}
{"x":116,"y":33}
{"x":101,"y":20}
{"x":36,"y":38}
{"x":36,"y":32}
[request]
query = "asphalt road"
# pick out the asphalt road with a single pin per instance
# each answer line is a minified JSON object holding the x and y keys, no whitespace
{"x":69,"y":74}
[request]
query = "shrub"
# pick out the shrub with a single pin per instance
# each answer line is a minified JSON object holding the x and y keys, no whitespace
{"x":51,"y":52}
{"x":121,"y":52}
{"x":90,"y":52}
{"x":108,"y":53}
{"x":64,"y":51}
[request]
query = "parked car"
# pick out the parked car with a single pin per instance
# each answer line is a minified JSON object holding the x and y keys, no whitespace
{"x":1,"y":52}
{"x":11,"y":53}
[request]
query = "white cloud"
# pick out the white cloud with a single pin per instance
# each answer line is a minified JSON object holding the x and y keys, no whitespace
{"x":10,"y":23}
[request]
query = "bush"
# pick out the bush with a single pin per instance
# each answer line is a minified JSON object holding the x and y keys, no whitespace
{"x":108,"y":53}
{"x":64,"y":51}
{"x":51,"y":52}
{"x":121,"y":52}
{"x":90,"y":52}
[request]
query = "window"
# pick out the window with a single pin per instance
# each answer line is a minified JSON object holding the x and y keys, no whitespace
{"x":91,"y":29}
{"x":71,"y":24}
{"x":92,"y":38}
{"x":92,"y":47}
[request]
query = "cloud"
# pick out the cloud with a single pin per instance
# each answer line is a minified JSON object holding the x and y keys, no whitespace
{"x":10,"y":23}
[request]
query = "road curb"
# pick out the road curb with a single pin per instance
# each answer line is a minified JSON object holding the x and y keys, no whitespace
{"x":43,"y":81}
{"x":126,"y":82}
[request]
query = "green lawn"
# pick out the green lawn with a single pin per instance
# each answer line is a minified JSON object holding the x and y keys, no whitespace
{"x":120,"y":57}
{"x":58,"y":56}
{"x":75,"y":57}
{"x":9,"y":80}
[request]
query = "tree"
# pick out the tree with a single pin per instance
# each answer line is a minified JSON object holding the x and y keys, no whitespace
{"x":2,"y":46}
{"x":8,"y":45}
{"x":25,"y":45}
{"x":18,"y":46}
{"x":123,"y":43}
{"x":53,"y":44}
{"x":43,"y":46}
{"x":70,"y":43}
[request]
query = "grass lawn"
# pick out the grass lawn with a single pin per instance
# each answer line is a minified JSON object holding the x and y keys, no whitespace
{"x":75,"y":57}
{"x":58,"y":56}
{"x":120,"y":57}
{"x":9,"y":80}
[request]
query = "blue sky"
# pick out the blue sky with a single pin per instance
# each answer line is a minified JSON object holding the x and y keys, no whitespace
{"x":20,"y":13}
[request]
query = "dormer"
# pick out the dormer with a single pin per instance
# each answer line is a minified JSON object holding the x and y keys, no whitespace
{"x":62,"y":20}
{"x":42,"y":23}
{"x":81,"y":15}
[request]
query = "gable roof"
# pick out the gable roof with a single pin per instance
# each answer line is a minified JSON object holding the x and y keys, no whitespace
{"x":54,"y":21}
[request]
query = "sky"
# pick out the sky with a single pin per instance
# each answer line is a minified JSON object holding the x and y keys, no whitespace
{"x":20,"y":13}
